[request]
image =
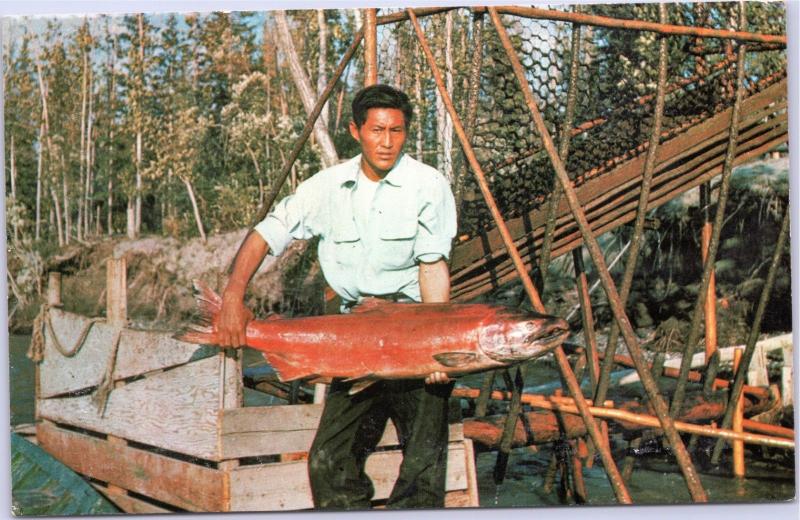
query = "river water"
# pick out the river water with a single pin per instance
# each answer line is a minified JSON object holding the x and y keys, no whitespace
{"x":656,"y":480}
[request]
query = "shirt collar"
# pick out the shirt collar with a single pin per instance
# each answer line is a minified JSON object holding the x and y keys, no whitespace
{"x":349,"y":175}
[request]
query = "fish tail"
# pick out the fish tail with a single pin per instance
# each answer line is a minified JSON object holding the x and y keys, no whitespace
{"x":209,"y":304}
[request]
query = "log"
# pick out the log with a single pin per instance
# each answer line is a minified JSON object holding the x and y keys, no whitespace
{"x":631,"y":419}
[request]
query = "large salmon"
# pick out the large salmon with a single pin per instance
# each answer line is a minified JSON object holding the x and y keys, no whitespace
{"x":384,"y":340}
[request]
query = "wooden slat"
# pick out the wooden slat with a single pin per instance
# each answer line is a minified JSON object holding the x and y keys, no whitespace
{"x":182,"y":484}
{"x":271,"y":430}
{"x":130,"y":504}
{"x":177,"y":410}
{"x":60,"y":374}
{"x":284,"y":486}
{"x":139,"y":352}
{"x":466,"y":497}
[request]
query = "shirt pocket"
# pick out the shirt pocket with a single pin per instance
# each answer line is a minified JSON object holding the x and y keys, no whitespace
{"x":346,"y":241}
{"x":397,"y":234}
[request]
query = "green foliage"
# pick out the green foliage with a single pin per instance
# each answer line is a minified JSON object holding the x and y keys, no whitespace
{"x":214,"y":103}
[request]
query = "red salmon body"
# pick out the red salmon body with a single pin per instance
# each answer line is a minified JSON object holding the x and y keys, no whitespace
{"x":383,"y":340}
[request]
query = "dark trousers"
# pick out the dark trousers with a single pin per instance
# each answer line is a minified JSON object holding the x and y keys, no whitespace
{"x":352,"y":425}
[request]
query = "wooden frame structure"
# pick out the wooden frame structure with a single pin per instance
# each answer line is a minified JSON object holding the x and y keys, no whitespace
{"x":173,"y":434}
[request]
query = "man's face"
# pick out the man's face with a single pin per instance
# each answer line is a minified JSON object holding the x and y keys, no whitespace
{"x":381,"y":137}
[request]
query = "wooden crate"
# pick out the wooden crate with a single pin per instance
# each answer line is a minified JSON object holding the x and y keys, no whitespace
{"x":174,"y":435}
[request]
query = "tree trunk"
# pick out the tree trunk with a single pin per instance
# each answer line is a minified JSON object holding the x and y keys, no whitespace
{"x":195,"y":209}
{"x":65,"y":193}
{"x":13,"y":168}
{"x":87,"y":212}
{"x":83,"y":149}
{"x":130,"y":220}
{"x":110,"y":145}
{"x":322,"y":76}
{"x":139,"y":124}
{"x":284,"y":40}
{"x":444,"y":125}
{"x":46,"y":143}
{"x":59,"y":231}
{"x":110,"y":209}
{"x":418,"y":100}
{"x":39,"y":163}
{"x":138,"y":209}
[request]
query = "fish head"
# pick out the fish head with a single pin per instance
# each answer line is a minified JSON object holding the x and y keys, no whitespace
{"x":520,"y":336}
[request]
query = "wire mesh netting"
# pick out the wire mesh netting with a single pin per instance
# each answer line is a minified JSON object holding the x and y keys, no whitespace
{"x":615,"y":91}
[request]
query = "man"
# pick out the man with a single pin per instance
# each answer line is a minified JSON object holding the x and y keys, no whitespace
{"x":385,"y":222}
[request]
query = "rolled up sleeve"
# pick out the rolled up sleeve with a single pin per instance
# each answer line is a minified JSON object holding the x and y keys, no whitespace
{"x":291,"y":219}
{"x":437,"y":222}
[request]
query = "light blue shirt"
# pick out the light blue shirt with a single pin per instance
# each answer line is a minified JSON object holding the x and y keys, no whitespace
{"x":412,"y":219}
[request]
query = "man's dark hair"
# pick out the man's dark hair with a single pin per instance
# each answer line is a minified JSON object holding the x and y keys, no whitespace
{"x":380,"y":96}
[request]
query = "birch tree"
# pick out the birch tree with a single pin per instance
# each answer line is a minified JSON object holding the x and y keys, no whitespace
{"x":444,"y":125}
{"x":322,"y":64}
{"x":303,"y":85}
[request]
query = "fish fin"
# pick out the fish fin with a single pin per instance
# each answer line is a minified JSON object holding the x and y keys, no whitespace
{"x":286,"y":370}
{"x":209,"y":304}
{"x":360,"y":385}
{"x":208,"y":301}
{"x":455,"y":359}
{"x":368,"y":304}
{"x":199,"y":334}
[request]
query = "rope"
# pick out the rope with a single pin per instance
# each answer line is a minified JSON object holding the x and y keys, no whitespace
{"x":42,"y":324}
{"x":100,"y":397}
{"x":36,"y":349}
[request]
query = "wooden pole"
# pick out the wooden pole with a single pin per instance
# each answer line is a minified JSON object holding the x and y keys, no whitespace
{"x":370,"y":47}
{"x":54,"y":289}
{"x":563,"y":406}
{"x":681,"y":455}
{"x":738,"y":416}
{"x":615,"y":479}
{"x":116,"y":291}
{"x":711,"y":294}
{"x":638,"y":25}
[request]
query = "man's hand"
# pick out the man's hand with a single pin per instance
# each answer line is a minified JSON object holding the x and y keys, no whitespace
{"x":232,"y":321}
{"x":437,"y":378}
{"x":233,"y":316}
{"x":434,"y":287}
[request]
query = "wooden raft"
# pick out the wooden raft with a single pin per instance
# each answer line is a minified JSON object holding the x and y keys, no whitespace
{"x":173,"y":434}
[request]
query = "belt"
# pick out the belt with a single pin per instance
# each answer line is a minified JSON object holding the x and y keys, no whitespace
{"x":347,"y":306}
{"x":394,"y":297}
